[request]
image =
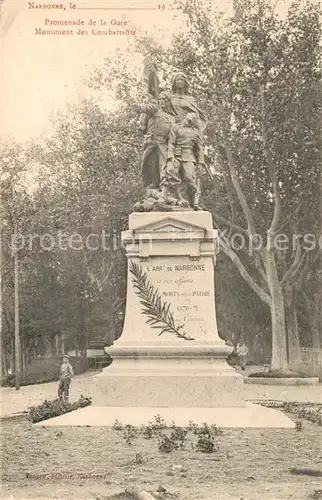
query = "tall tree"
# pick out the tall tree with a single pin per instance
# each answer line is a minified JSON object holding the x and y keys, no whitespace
{"x":258,"y":79}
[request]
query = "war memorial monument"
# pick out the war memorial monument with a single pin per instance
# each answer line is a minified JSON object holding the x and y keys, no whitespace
{"x":170,"y":359}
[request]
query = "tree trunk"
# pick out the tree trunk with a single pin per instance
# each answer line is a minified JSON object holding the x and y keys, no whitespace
{"x":315,"y":323}
{"x":313,"y":310}
{"x":279,"y":345}
{"x":292,"y":328}
{"x":85,"y":350}
{"x":22,"y":357}
{"x":57,"y":339}
{"x":76,"y":345}
{"x":113,"y":332}
{"x":2,"y":357}
{"x":4,"y":363}
{"x":12,"y":358}
{"x":48,"y":346}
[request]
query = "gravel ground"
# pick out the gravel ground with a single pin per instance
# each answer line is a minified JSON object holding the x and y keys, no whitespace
{"x":250,"y":464}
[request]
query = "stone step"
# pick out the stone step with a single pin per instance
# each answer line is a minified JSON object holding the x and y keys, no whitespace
{"x":251,"y":416}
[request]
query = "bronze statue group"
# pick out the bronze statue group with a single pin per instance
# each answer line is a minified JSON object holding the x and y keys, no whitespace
{"x":173,"y":149}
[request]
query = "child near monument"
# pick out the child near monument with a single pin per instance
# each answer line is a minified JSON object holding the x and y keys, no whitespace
{"x":66,"y":373}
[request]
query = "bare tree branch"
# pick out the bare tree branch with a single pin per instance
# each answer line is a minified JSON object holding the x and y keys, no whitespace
{"x":295,"y":266}
{"x":229,"y":194}
{"x":291,"y":215}
{"x":271,"y":169}
{"x":244,"y":273}
{"x":303,"y":272}
{"x":241,"y":197}
{"x":230,"y":224}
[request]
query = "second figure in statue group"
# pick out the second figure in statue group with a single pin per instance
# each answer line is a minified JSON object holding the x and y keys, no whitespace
{"x":173,"y":151}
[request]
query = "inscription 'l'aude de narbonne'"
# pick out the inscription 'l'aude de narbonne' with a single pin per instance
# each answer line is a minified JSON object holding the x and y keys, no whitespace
{"x":177,"y":267}
{"x":181,"y":282}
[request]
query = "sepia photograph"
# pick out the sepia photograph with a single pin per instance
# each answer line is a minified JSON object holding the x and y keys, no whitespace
{"x":160,"y":250}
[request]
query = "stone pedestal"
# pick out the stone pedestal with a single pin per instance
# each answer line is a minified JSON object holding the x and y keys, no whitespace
{"x":177,"y":252}
{"x":180,"y":380}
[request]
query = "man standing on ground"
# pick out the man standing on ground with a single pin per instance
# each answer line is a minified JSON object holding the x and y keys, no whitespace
{"x":66,"y":373}
{"x":242,"y":353}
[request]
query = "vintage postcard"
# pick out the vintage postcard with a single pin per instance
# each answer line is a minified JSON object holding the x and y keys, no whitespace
{"x":160,"y":257}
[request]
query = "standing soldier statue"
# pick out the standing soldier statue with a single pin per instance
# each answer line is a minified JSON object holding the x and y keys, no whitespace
{"x":173,"y":150}
{"x":159,"y":117}
{"x":185,"y":156}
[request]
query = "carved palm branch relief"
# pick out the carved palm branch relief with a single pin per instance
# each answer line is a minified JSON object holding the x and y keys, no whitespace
{"x":158,"y":313}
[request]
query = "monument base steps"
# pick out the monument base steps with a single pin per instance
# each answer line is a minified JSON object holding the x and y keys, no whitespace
{"x":173,"y":375}
{"x":248,"y":417}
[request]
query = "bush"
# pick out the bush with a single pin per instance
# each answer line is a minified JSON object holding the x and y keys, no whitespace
{"x":158,"y":422}
{"x":54,"y":408}
{"x":174,"y":441}
{"x":154,"y":427}
{"x":148,"y":432}
{"x":206,"y":437}
{"x":44,"y":370}
{"x":167,"y":444}
{"x":206,"y":443}
{"x":307,"y":411}
{"x":130,"y":434}
{"x":171,"y":438}
{"x":178,"y":435}
{"x":206,"y":430}
{"x":117,"y":426}
{"x":278,"y":374}
{"x":311,"y":413}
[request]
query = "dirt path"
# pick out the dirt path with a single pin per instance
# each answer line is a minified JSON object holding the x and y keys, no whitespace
{"x":17,"y":401}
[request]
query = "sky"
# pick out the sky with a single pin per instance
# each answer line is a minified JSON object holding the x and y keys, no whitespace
{"x":42,"y":73}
